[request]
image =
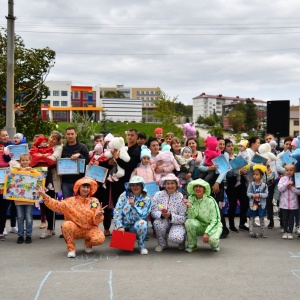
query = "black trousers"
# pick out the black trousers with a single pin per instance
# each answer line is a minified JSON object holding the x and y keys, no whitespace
{"x":288,"y":218}
{"x":269,"y":202}
{"x":102,"y":195}
{"x":50,"y":214}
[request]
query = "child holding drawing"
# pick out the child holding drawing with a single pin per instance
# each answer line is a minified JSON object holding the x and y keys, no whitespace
{"x":24,"y":209}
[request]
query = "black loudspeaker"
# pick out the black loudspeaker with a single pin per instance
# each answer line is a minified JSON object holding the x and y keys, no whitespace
{"x":278,"y":118}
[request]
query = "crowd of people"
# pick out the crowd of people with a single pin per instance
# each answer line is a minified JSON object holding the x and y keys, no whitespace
{"x":191,"y":189}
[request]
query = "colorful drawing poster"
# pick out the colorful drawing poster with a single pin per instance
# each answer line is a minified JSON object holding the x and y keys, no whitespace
{"x":222,"y":163}
{"x":96,"y":172}
{"x":238,"y":162}
{"x":151,"y":188}
{"x":23,"y":185}
{"x":67,"y":166}
{"x":297,"y":180}
{"x":17,"y":150}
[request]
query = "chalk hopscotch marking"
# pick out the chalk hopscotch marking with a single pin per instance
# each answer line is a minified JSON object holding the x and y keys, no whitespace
{"x":88,"y":260}
{"x":296,"y":273}
{"x":110,"y":285}
{"x":292,"y":255}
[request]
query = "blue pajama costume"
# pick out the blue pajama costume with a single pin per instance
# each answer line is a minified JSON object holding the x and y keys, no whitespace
{"x":133,"y":218}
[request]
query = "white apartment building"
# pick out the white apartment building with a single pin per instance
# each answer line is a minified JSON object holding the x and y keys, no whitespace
{"x":204,"y":105}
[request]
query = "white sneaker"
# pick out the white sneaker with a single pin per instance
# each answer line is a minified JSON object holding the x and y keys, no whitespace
{"x":290,"y":236}
{"x":144,"y":251}
{"x":256,"y":224}
{"x":298,"y":230}
{"x":88,"y":250}
{"x":71,"y":254}
{"x":285,"y":235}
{"x":4,"y":232}
{"x":247,"y":225}
{"x":159,"y":248}
{"x":14,"y":230}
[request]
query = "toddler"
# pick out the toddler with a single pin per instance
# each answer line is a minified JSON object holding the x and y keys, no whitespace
{"x":98,"y":155}
{"x":211,"y":152}
{"x":257,"y":193}
{"x":187,"y":166}
{"x":98,"y":139}
{"x":273,"y":145}
{"x":40,"y":151}
{"x":145,"y":169}
{"x":288,"y":202}
{"x":24,"y":209}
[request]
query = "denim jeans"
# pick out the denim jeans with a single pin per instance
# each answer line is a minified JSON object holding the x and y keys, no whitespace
{"x":67,"y":189}
{"x":25,"y":212}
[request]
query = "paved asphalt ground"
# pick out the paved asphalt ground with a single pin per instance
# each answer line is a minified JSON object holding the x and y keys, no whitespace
{"x":245,"y":268}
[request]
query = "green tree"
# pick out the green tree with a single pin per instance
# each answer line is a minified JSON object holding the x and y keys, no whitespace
{"x":104,"y":123}
{"x":236,"y":119}
{"x":85,"y":128}
{"x":113,"y":94}
{"x":166,"y":110}
{"x":210,"y":121}
{"x":251,"y":120}
{"x":216,"y":131}
{"x":32,"y":67}
{"x":200,"y":119}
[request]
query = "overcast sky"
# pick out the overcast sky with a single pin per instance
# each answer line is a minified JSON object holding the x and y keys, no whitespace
{"x":230,"y":47}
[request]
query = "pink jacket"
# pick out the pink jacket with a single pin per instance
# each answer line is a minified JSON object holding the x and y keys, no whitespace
{"x":147,"y":172}
{"x":288,"y":197}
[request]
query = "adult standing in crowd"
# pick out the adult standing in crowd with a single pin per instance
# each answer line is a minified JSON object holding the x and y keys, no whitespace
{"x":217,"y":185}
{"x":53,"y":182}
{"x":74,"y":150}
{"x":236,"y":192}
{"x":254,"y":143}
{"x":134,"y":151}
{"x":196,"y":154}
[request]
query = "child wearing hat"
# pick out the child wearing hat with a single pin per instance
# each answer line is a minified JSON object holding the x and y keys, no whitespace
{"x":98,"y":155}
{"x":40,"y":151}
{"x":158,"y":133}
{"x":257,"y":193}
{"x":145,"y":169}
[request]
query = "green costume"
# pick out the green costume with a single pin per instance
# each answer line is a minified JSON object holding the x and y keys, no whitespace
{"x":203,"y":217}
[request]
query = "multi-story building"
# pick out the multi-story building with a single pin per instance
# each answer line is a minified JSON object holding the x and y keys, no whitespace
{"x":294,"y":120}
{"x":64,"y":99}
{"x":204,"y":105}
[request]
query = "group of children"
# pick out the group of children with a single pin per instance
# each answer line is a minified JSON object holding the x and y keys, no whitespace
{"x":37,"y":156}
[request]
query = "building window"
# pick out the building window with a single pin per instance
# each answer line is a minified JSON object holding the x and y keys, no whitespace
{"x":49,"y":93}
{"x":55,"y":103}
{"x":64,"y":93}
{"x":55,"y":93}
{"x":59,"y":115}
{"x":296,"y":122}
{"x":296,"y":133}
{"x":64,"y":103}
{"x":76,"y":95}
{"x":85,"y":95}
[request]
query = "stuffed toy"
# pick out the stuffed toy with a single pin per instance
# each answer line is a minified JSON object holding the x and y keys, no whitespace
{"x":117,"y":143}
{"x":168,"y":159}
{"x":188,"y":130}
{"x":265,"y":151}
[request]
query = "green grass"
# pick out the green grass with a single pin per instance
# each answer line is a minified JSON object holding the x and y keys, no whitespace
{"x":119,"y":128}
